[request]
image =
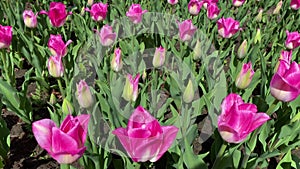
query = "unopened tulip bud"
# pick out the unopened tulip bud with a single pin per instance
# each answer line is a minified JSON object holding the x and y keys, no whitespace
{"x":197,"y":51}
{"x":242,"y":51}
{"x":67,"y":107}
{"x":159,"y":57}
{"x":30,"y":19}
{"x":90,"y":2}
{"x":55,"y":66}
{"x":277,"y":9}
{"x":188,"y":95}
{"x":144,"y":76}
{"x":258,"y":18}
{"x":116,"y":62}
{"x":257,"y":36}
{"x":130,"y":92}
{"x":84,"y":95}
{"x":245,"y":76}
{"x":52,"y":99}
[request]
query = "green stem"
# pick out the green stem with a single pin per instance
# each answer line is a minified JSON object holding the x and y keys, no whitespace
{"x":219,"y":156}
{"x":61,"y":88}
{"x":271,"y":109}
{"x":64,"y":166}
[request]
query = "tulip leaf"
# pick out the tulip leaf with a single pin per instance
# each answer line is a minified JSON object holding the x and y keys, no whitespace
{"x":190,"y":159}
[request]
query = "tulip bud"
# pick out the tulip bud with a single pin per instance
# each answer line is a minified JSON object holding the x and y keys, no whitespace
{"x":144,"y":75}
{"x":84,"y":95}
{"x":245,"y":76}
{"x":258,"y":18}
{"x":67,"y":107}
{"x":194,"y":7}
{"x":116,"y":62}
{"x":242,"y":51}
{"x":212,"y":11}
{"x":5,"y":36}
{"x":90,"y":2}
{"x":130,"y":91}
{"x":30,"y":19}
{"x":107,"y":36}
{"x":238,"y":3}
{"x":277,"y":9}
{"x":257,"y":36}
{"x":186,"y":30}
{"x":52,"y":99}
{"x":55,"y":66}
{"x":135,"y":13}
{"x":295,"y":4}
{"x":172,"y":2}
{"x":188,"y":95}
{"x":197,"y":51}
{"x":159,"y":57}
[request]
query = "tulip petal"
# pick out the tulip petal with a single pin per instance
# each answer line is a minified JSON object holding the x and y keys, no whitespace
{"x":42,"y":131}
{"x":258,"y":120}
{"x":230,"y":100}
{"x":139,"y":117}
{"x":63,"y":143}
{"x":139,"y":133}
{"x":66,"y":158}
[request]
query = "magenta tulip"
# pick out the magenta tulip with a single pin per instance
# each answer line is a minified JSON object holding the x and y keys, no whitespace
{"x":173,"y":2}
{"x":285,"y":83}
{"x":207,"y":2}
{"x":30,"y":19}
{"x":57,"y":14}
{"x":5,"y":36}
{"x":116,"y":62}
{"x":98,"y":11}
{"x":295,"y":4}
{"x":212,"y":11}
{"x":238,"y":3}
{"x":55,"y":66}
{"x":131,"y":88}
{"x":227,"y":27}
{"x":186,"y":30}
{"x":286,"y":56}
{"x":57,"y":46}
{"x":245,"y":76}
{"x":107,"y":36}
{"x":64,"y":144}
{"x":238,"y":119}
{"x":144,"y":138}
{"x":135,"y":13}
{"x":293,"y":40}
{"x":194,"y":7}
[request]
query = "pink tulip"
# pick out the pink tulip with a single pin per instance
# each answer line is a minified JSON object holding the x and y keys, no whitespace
{"x":227,"y":27}
{"x":107,"y":36}
{"x":144,"y":138}
{"x":5,"y":36}
{"x":173,"y":2}
{"x":64,"y":144}
{"x":212,"y":11}
{"x":238,"y":119}
{"x":186,"y":30}
{"x":295,"y":4}
{"x":57,"y":14}
{"x":293,"y":40}
{"x":135,"y":13}
{"x":131,"y":88}
{"x":30,"y":19}
{"x":84,"y":94}
{"x":116,"y":62}
{"x":245,"y":76}
{"x":98,"y":11}
{"x":207,"y":2}
{"x":285,"y":83}
{"x":194,"y":7}
{"x":159,"y":57}
{"x":238,"y":3}
{"x":286,"y":56}
{"x":55,"y":66}
{"x":57,"y":46}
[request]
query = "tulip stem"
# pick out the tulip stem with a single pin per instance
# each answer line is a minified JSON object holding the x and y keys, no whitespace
{"x":219,"y":156}
{"x":64,"y":166}
{"x":271,"y":109}
{"x":61,"y":88}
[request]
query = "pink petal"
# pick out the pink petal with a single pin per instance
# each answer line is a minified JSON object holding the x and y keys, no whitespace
{"x":42,"y":131}
{"x":66,"y":158}
{"x":63,"y":143}
{"x":230,"y":100}
{"x":258,"y":120}
{"x":139,"y":133}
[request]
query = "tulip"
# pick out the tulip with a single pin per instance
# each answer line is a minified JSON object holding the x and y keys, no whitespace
{"x":295,"y":4}
{"x":64,"y":144}
{"x":227,"y":27}
{"x":67,"y":107}
{"x":55,"y":66}
{"x":135,"y":13}
{"x":242,"y":51}
{"x":5,"y":36}
{"x":130,"y":92}
{"x":197,"y":53}
{"x":286,"y":56}
{"x":57,"y":14}
{"x":84,"y":94}
{"x":258,"y":18}
{"x":189,"y":93}
{"x":257,"y":37}
{"x":107,"y":36}
{"x":212,"y":11}
{"x":293,"y":40}
{"x":53,"y":99}
{"x":116,"y":62}
{"x":194,"y":7}
{"x":159,"y":57}
{"x":186,"y":30}
{"x":172,"y":2}
{"x":238,"y":119}
{"x":245,"y":76}
{"x":238,"y":3}
{"x":207,"y":2}
{"x":98,"y":11}
{"x":90,"y":2}
{"x":30,"y":19}
{"x":285,"y":83}
{"x":278,"y":7}
{"x":57,"y":46}
{"x":144,"y":138}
